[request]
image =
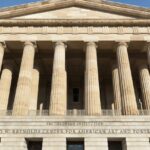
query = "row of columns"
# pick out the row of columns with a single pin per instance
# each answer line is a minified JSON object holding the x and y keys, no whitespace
{"x":124,"y":95}
{"x":28,"y":82}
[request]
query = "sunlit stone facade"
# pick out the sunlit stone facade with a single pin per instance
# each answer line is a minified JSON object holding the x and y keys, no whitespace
{"x":75,"y":74}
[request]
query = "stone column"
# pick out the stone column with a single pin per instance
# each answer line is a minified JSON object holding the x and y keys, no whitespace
{"x":23,"y":91}
{"x":92,"y":91}
{"x":145,"y":85}
{"x":5,"y":84}
{"x":58,"y":98}
{"x":1,"y":54}
{"x":129,"y":106}
{"x":34,"y":91}
{"x":148,"y":53}
{"x":116,"y":88}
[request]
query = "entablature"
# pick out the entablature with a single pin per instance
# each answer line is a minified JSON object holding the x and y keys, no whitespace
{"x":76,"y":30}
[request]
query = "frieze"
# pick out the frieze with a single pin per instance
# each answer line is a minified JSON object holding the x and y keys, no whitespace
{"x":75,"y":30}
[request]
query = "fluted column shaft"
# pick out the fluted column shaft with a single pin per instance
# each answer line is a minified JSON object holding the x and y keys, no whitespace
{"x":145,"y":85}
{"x":92,"y":91}
{"x":34,"y":90}
{"x":129,"y":106}
{"x":58,"y":98}
{"x":23,"y":91}
{"x":1,"y":55}
{"x":116,"y":87}
{"x":148,"y":53}
{"x":5,"y":84}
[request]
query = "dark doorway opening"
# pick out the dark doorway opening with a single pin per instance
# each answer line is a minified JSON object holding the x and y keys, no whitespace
{"x":75,"y":144}
{"x":34,"y":144}
{"x":76,"y":94}
{"x":116,"y":144}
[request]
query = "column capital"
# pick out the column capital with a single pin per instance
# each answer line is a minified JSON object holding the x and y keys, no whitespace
{"x":3,"y":45}
{"x":147,"y":43}
{"x":114,"y":64}
{"x":143,"y":66}
{"x":36,"y":67}
{"x":146,"y":46}
{"x":122,"y":43}
{"x":31,"y":43}
{"x":8,"y":65}
{"x":60,"y":43}
{"x":28,"y":43}
{"x":91,"y":43}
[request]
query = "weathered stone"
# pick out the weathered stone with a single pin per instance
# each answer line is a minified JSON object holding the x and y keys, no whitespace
{"x":148,"y":53}
{"x":92,"y":91}
{"x":129,"y":106}
{"x":58,"y":98}
{"x":1,"y":54}
{"x":76,"y":22}
{"x":116,"y":88}
{"x":5,"y":84}
{"x":23,"y":91}
{"x":34,"y":91}
{"x":145,"y":85}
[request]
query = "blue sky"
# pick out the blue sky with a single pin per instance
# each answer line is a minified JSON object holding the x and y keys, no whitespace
{"x":6,"y":3}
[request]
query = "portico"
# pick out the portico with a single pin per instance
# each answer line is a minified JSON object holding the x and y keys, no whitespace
{"x":96,"y":77}
{"x":75,"y":73}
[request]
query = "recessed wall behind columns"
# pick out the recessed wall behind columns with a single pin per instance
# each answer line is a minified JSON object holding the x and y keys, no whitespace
{"x":75,"y":67}
{"x":44,"y":92}
{"x":136,"y":60}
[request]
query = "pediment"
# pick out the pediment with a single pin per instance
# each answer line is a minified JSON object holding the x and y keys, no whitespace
{"x":74,"y":13}
{"x":74,"y":9}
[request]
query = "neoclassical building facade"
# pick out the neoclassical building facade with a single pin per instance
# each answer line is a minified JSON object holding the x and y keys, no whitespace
{"x":75,"y":75}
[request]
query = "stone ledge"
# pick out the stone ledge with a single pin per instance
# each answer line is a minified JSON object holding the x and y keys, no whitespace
{"x":75,"y":22}
{"x":79,"y":118}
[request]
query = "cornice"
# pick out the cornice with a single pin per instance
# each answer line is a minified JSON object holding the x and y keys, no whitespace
{"x":75,"y":22}
{"x":100,"y":5}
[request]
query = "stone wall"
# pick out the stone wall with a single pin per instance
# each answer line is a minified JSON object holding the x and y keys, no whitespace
{"x":95,"y":130}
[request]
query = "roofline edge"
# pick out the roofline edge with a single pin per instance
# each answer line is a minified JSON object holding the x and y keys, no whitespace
{"x":75,"y":22}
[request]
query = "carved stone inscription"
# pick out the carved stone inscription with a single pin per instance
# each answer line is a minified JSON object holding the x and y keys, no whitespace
{"x":75,"y":127}
{"x":74,"y":131}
